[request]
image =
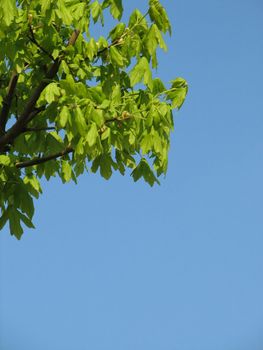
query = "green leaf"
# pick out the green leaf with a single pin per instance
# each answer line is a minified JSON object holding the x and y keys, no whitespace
{"x":64,"y":67}
{"x":102,"y":43}
{"x":105,"y":166}
{"x":105,"y":104}
{"x":95,"y":164}
{"x":26,"y":221}
{"x":64,"y":116}
{"x":96,"y":10}
{"x":68,"y":84}
{"x":4,"y":160}
{"x":153,"y":39}
{"x":143,"y":170}
{"x":105,"y":134}
{"x":45,"y":6}
{"x":116,"y":8}
{"x":14,"y":223}
{"x":23,"y":200}
{"x":77,"y":11}
{"x":141,"y":71}
{"x":80,"y":121}
{"x":116,"y":57}
{"x":79,"y":149}
{"x":50,"y":169}
{"x":54,"y":142}
{"x":178,"y":92}
{"x":33,"y":185}
{"x":116,"y":95}
{"x":117,"y":32}
{"x":96,"y":94}
{"x":92,"y":135}
{"x":8,"y":11}
{"x":4,"y":217}
{"x":146,"y":143}
{"x":66,"y":171}
{"x":157,"y":143}
{"x":51,"y":92}
{"x":92,"y":48}
{"x":63,"y":12}
{"x":159,"y":16}
{"x":97,"y":116}
{"x":137,"y":21}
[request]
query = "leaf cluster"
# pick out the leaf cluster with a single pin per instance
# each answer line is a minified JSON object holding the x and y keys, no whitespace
{"x":71,"y":103}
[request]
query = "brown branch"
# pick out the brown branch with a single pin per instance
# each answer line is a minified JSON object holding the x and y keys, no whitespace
{"x":41,"y":160}
{"x":22,"y":121}
{"x":17,"y":128}
{"x":8,"y":101}
{"x":74,"y":37}
{"x":39,"y":129}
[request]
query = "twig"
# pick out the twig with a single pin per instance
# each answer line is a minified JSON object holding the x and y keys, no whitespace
{"x":41,"y":160}
{"x":119,"y":41}
{"x":39,"y":129}
{"x":32,"y":38}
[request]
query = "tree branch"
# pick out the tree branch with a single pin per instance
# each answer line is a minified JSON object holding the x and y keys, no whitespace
{"x":41,"y":160}
{"x":74,"y":37}
{"x":8,"y":101}
{"x":116,"y":42}
{"x":119,"y":41}
{"x":22,"y":121}
{"x":39,"y":129}
{"x":34,"y":41}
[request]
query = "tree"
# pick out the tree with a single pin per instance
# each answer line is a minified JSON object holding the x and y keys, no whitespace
{"x":70,"y":102}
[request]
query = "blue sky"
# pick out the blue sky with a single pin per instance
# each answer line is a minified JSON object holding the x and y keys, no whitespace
{"x":116,"y":265}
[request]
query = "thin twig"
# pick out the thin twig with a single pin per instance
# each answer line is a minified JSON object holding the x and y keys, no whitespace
{"x":32,"y":38}
{"x":119,"y":41}
{"x":39,"y":129}
{"x":41,"y":160}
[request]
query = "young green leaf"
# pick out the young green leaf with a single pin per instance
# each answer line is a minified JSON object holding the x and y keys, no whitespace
{"x":66,"y":171}
{"x":178,"y":92}
{"x":141,"y":71}
{"x":8,"y":11}
{"x":116,"y":57}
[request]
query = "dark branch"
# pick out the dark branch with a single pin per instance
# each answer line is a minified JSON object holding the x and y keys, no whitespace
{"x":7,"y":102}
{"x":39,"y":129}
{"x":34,"y":41}
{"x":41,"y":160}
{"x":18,"y":127}
{"x":26,"y":115}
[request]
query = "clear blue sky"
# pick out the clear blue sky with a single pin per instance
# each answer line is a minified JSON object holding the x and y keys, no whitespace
{"x":120,"y":266}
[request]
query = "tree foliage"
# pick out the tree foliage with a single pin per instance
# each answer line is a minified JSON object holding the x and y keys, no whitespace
{"x":71,"y":102}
